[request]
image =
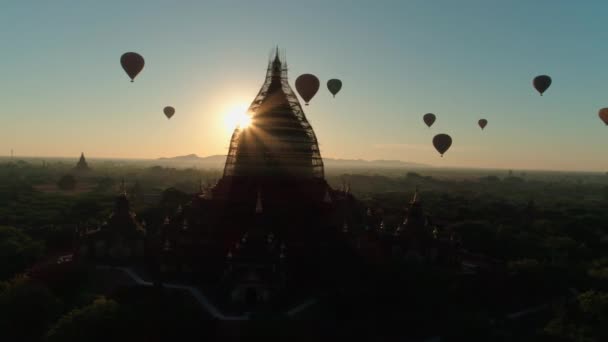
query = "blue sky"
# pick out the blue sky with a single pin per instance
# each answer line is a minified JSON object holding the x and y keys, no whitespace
{"x":63,"y":91}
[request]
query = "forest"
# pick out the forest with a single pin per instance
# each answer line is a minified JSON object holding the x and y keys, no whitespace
{"x":547,"y":232}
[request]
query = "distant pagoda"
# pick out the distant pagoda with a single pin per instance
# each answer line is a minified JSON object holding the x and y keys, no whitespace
{"x":82,"y":164}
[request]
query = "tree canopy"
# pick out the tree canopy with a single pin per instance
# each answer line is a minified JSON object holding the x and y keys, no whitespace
{"x":17,"y":251}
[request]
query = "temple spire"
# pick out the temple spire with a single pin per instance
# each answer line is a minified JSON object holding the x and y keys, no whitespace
{"x":327,"y":198}
{"x":283,"y":143}
{"x":345,"y":226}
{"x":123,"y":188}
{"x":122,"y":205}
{"x":82,"y":163}
{"x":415,"y":214}
{"x":277,"y":66}
{"x":258,"y":205}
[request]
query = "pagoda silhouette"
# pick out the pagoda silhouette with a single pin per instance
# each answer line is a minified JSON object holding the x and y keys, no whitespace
{"x":120,"y":239}
{"x":82,"y":164}
{"x":275,"y":163}
{"x":271,"y":231}
{"x":278,"y":153}
{"x":271,"y":220}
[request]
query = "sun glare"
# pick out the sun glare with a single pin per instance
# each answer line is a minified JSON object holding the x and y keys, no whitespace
{"x":237,"y":116}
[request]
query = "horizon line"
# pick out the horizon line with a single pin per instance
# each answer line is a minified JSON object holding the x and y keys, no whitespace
{"x":421,"y":165}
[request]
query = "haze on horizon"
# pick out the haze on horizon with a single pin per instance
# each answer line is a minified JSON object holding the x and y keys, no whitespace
{"x":63,"y":91}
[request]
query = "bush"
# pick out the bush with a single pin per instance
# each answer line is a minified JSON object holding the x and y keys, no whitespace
{"x":100,"y":321}
{"x":587,"y":321}
{"x":26,"y":310}
{"x":67,"y":182}
{"x":17,"y":251}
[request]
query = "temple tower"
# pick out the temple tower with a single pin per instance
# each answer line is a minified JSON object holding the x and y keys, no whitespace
{"x":279,"y":142}
{"x":278,"y":152}
{"x":82,"y":164}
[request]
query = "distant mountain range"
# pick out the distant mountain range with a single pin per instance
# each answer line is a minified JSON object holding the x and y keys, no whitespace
{"x":217,"y":161}
{"x":195,"y":158}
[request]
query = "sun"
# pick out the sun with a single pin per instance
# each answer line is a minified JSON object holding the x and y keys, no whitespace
{"x":236,"y":116}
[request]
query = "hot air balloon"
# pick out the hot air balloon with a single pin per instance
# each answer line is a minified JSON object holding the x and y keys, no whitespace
{"x":604,"y":115}
{"x":307,"y":86}
{"x":482,"y":123}
{"x":442,"y":143}
{"x":133,"y":63}
{"x":429,"y":119}
{"x":334,"y":86}
{"x":169,"y":111}
{"x":541,"y":83}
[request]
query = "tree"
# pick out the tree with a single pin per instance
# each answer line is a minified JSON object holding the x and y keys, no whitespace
{"x":490,"y":179}
{"x":599,"y":269}
{"x":26,"y":310}
{"x":133,"y":314}
{"x":67,"y":182}
{"x":413,"y":175}
{"x":101,"y":321}
{"x":17,"y":251}
{"x":172,"y":198}
{"x":136,"y":192}
{"x":105,"y":184}
{"x":85,"y":210}
{"x":587,"y":321}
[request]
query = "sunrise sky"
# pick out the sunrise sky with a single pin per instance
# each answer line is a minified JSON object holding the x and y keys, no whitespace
{"x":63,"y":92}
